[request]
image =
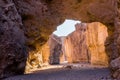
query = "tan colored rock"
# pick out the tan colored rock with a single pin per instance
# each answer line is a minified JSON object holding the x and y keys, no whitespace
{"x":96,"y":39}
{"x":35,"y":60}
{"x":55,"y":49}
{"x":45,"y":53}
{"x":38,"y":59}
{"x":87,"y":44}
{"x":76,"y":47}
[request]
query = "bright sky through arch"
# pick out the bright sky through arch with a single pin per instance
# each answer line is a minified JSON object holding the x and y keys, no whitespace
{"x":66,"y":28}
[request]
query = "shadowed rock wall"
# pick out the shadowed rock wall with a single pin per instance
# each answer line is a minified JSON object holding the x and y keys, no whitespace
{"x":12,"y":49}
{"x":55,"y":49}
{"x":115,"y":56}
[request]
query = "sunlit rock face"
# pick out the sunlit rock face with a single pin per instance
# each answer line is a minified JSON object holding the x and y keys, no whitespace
{"x":76,"y":47}
{"x":45,"y":53}
{"x":97,"y":35}
{"x":87,"y":44}
{"x":34,"y":61}
{"x":12,"y":49}
{"x":38,"y":59}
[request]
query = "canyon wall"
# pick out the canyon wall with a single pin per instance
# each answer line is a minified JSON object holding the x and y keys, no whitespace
{"x":12,"y":41}
{"x":39,"y":19}
{"x":97,"y":35}
{"x":87,"y":44}
{"x":115,"y":56}
{"x":55,"y":49}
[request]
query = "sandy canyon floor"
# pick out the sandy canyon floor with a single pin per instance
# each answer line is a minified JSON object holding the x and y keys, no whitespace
{"x":67,"y":72}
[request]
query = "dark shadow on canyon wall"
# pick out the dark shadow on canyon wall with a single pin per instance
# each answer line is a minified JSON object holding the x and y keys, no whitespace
{"x":109,"y":43}
{"x":13,"y":53}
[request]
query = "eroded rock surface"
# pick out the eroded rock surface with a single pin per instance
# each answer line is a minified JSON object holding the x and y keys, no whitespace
{"x":115,"y":64}
{"x":40,"y":18}
{"x":12,"y":49}
{"x":115,"y":56}
{"x":87,"y":44}
{"x":38,"y":59}
{"x":55,"y":49}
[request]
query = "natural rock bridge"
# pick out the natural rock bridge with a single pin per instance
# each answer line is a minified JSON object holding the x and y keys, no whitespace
{"x":25,"y":26}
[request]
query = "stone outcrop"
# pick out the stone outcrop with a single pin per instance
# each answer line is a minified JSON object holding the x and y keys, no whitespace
{"x":12,"y":49}
{"x":87,"y":44}
{"x":40,"y":17}
{"x":38,"y":59}
{"x":76,"y":47}
{"x":36,"y":17}
{"x":34,"y":61}
{"x":115,"y":64}
{"x":115,"y":56}
{"x":45,"y":53}
{"x":55,"y":49}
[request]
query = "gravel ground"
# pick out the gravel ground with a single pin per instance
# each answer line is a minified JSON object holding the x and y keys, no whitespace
{"x":66,"y":74}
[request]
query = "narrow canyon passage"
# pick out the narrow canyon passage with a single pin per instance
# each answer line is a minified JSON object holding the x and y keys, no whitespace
{"x":82,"y":52}
{"x":25,"y":28}
{"x":79,"y":56}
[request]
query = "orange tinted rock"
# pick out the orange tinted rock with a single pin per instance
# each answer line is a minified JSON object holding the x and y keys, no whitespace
{"x":45,"y":52}
{"x":87,"y":44}
{"x":96,"y":38}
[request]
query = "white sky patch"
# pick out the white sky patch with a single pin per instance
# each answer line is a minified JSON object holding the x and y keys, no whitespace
{"x":66,"y":28}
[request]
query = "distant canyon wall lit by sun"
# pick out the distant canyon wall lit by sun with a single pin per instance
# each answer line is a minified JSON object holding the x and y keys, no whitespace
{"x":87,"y":44}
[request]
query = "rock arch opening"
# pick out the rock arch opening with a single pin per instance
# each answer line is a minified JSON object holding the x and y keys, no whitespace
{"x":57,"y":40}
{"x":52,"y":13}
{"x":52,"y":51}
{"x":85,"y":44}
{"x":82,"y":43}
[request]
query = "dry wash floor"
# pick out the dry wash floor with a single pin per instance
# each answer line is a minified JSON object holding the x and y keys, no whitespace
{"x":83,"y":72}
